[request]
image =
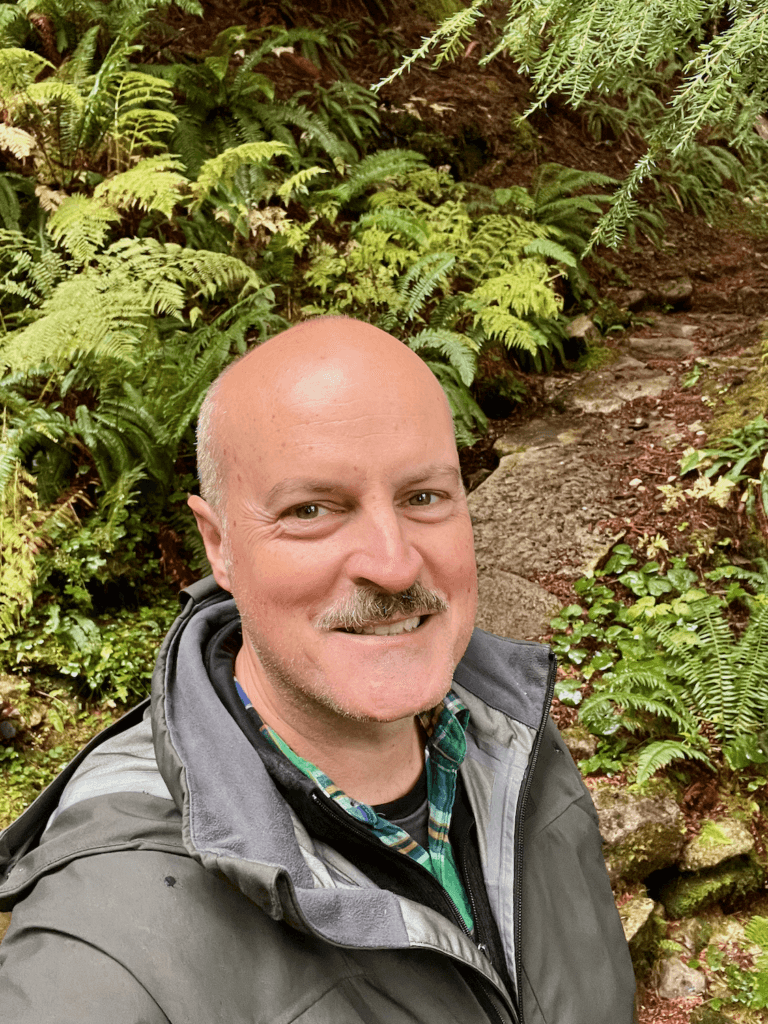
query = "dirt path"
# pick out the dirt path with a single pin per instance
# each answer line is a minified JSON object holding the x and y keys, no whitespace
{"x":586,"y":470}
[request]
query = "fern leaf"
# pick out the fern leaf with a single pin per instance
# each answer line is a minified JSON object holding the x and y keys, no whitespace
{"x":221,"y":170}
{"x":546,"y":247}
{"x":386,"y":165}
{"x":423,"y":278}
{"x":18,"y":70}
{"x":662,"y":752}
{"x":155,"y":183}
{"x":458,"y":350}
{"x":81,"y":225}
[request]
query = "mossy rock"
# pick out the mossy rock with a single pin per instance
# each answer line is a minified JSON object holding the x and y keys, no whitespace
{"x":644,"y":927}
{"x":642,"y":834}
{"x":717,"y":842}
{"x":688,"y":894}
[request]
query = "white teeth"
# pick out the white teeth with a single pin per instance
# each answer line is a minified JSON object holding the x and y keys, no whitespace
{"x":406,"y":626}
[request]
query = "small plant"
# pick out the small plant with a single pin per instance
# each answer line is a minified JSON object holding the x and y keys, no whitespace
{"x":747,"y":983}
{"x":740,"y":459}
{"x":669,"y":679}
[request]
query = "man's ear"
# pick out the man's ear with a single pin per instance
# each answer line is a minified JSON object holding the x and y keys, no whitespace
{"x":212,"y":532}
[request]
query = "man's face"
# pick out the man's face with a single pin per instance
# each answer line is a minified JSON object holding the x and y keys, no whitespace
{"x":334,"y":491}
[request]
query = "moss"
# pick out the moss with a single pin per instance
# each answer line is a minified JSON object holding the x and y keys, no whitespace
{"x":688,"y":894}
{"x":718,"y":841}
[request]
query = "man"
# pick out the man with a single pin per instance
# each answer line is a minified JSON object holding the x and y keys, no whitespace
{"x":342,"y":806}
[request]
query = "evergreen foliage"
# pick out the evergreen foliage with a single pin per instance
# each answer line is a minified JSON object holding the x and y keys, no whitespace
{"x":718,"y":53}
{"x":156,"y":220}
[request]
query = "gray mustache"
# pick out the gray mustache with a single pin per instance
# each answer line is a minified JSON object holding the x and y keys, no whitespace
{"x":368,"y":607}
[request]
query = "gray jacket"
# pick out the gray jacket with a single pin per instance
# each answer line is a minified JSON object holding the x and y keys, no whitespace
{"x":162,"y":878}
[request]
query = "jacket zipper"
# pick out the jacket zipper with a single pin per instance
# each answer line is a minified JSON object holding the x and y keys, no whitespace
{"x":519,"y":839}
{"x":481,"y":946}
{"x":363,"y":833}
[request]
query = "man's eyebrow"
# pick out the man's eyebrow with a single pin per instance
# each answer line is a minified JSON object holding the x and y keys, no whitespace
{"x":329,"y":487}
{"x":436,"y":469}
{"x":301,"y":483}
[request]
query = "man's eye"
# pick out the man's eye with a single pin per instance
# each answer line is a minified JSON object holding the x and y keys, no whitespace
{"x":310,"y":511}
{"x":423,"y":498}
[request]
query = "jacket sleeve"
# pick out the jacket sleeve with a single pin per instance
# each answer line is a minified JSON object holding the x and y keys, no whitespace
{"x":47,"y":977}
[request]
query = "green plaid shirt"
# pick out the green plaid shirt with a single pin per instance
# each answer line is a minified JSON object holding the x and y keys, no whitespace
{"x":445,"y":727}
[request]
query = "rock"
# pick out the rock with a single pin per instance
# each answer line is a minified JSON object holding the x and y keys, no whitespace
{"x":7,"y":730}
{"x":717,"y":842}
{"x":751,"y":301}
{"x":643,"y":928}
{"x":676,"y":292}
{"x":539,"y":512}
{"x":635,"y":297}
{"x":662,"y":347}
{"x":606,"y":391}
{"x":674,"y":980}
{"x":11,"y":687}
{"x":682,"y":330}
{"x":583,"y":327}
{"x":549,"y":432}
{"x":477,"y":478}
{"x":688,"y":894}
{"x":510,"y":605}
{"x":641,"y":833}
{"x":5,"y":920}
{"x":580,"y":742}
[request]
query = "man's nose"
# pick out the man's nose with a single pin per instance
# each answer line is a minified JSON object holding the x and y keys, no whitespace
{"x":384,"y":554}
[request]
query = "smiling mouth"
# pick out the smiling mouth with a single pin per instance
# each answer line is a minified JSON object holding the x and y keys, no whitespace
{"x":389,"y":628}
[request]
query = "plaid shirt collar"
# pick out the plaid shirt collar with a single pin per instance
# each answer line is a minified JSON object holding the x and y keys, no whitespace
{"x":445,"y":726}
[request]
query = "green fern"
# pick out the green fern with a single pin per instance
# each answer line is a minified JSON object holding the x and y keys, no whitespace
{"x":663,"y":752}
{"x":458,"y":350}
{"x":155,"y":183}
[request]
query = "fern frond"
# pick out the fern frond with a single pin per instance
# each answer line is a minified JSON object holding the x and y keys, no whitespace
{"x":468,"y":417}
{"x":18,"y":70}
{"x":18,"y":142}
{"x":221,"y":170}
{"x":457,"y":349}
{"x":551,"y":250}
{"x":663,"y":752}
{"x":155,"y":183}
{"x":383,"y":166}
{"x":427,"y":274}
{"x":396,"y":221}
{"x":81,"y":224}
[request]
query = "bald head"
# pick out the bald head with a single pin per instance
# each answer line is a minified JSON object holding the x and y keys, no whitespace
{"x":300,"y":373}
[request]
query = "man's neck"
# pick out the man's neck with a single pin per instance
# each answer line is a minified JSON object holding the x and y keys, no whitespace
{"x":373,"y":762}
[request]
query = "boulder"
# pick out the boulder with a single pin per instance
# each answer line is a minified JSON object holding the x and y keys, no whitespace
{"x":641,"y":834}
{"x":717,"y":842}
{"x":606,"y":391}
{"x":675,"y":292}
{"x":635,"y":297}
{"x":510,"y":605}
{"x":643,"y":927}
{"x":688,"y":894}
{"x":538,"y":512}
{"x":582,"y":327}
{"x":675,"y":980}
{"x":661,"y":347}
